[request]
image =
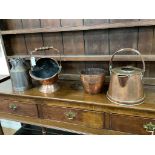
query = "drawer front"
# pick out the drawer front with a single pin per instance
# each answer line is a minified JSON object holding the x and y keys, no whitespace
{"x":18,"y":107}
{"x":75,"y":116}
{"x":130,"y":124}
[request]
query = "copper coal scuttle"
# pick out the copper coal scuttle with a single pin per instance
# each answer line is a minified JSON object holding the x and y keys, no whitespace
{"x":46,"y":71}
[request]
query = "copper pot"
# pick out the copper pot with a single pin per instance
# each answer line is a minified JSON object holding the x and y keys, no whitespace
{"x":126,"y":85}
{"x":92,"y":80}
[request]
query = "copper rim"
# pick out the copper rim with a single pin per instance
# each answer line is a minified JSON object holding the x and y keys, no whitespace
{"x":125,"y":103}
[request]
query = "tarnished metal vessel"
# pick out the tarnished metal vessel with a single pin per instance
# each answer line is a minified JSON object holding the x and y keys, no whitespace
{"x":126,"y":84}
{"x":20,"y":74}
{"x":92,"y":80}
{"x":46,"y":71}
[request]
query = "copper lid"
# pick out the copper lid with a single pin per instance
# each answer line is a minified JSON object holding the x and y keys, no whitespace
{"x":126,"y":70}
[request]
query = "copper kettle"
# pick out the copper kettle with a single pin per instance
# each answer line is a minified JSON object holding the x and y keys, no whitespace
{"x":126,"y":85}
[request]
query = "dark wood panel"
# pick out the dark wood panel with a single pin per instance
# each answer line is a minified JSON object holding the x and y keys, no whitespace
{"x":32,"y":40}
{"x":50,"y":23}
{"x":130,"y":124}
{"x":152,"y":64}
{"x":87,"y":118}
{"x":145,"y":40}
{"x":123,"y":38}
{"x":15,"y":44}
{"x":72,"y":41}
{"x":107,"y":121}
{"x":22,"y":107}
{"x":12,"y":24}
{"x":82,"y":28}
{"x":72,"y":67}
{"x":54,"y":39}
{"x":73,"y":44}
{"x":96,"y":42}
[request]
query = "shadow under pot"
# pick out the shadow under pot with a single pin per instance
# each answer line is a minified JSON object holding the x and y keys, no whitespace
{"x":92,"y":80}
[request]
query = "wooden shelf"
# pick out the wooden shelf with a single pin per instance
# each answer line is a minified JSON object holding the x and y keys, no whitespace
{"x":80,"y":28}
{"x":91,"y":57}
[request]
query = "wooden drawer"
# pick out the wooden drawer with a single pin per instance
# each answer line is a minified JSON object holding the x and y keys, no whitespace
{"x":18,"y":106}
{"x":74,"y":116}
{"x":130,"y":124}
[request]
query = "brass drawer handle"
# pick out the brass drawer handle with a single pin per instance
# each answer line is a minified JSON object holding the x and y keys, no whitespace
{"x":13,"y":107}
{"x":70,"y":115}
{"x":150,"y":127}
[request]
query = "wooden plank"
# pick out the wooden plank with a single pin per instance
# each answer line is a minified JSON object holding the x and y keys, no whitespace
{"x":52,"y":39}
{"x":96,"y":42}
{"x":145,"y":40}
{"x":51,"y":23}
{"x":145,"y":44}
{"x":91,"y":22}
{"x":123,"y":38}
{"x":82,"y":28}
{"x":72,"y":67}
{"x":15,"y":44}
{"x":93,"y":57}
{"x":152,"y":64}
{"x":73,"y":43}
{"x":123,"y":20}
{"x":12,"y":24}
{"x":32,"y":40}
{"x":71,"y":22}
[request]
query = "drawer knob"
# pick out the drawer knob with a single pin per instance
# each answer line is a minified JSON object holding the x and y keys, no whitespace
{"x":70,"y":115}
{"x":150,"y":127}
{"x":13,"y":107}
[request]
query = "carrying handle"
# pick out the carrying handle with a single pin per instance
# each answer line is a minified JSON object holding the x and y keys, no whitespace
{"x":46,"y":48}
{"x":127,"y":50}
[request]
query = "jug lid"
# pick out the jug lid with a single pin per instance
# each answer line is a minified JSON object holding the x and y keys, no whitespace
{"x":127,"y":70}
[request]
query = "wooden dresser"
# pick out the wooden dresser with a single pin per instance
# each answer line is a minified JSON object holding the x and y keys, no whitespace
{"x":71,"y":109}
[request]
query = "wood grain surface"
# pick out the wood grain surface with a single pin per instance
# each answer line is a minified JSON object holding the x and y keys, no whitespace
{"x":98,"y":40}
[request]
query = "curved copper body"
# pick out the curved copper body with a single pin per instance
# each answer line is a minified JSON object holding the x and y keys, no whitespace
{"x":92,"y":82}
{"x":126,"y":90}
{"x":47,"y":85}
{"x":126,"y":85}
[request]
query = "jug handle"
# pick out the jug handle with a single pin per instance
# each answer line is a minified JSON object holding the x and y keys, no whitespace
{"x":127,"y":50}
{"x":47,"y":48}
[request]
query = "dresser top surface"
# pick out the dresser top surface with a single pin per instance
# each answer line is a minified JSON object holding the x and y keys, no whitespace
{"x":73,"y":92}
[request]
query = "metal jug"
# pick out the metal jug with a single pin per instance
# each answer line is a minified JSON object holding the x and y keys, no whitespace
{"x":126,"y":85}
{"x":20,"y":74}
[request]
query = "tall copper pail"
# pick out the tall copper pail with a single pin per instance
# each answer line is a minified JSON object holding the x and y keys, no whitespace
{"x":126,"y":84}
